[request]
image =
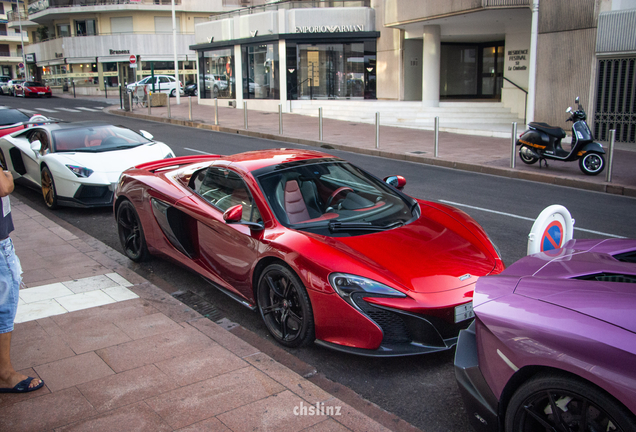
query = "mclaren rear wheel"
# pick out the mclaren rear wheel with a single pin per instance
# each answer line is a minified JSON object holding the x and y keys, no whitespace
{"x":285,"y":306}
{"x":48,"y":188}
{"x":555,"y":402}
{"x":131,"y":233}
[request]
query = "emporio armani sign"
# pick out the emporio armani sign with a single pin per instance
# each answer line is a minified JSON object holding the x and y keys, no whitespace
{"x":330,"y":29}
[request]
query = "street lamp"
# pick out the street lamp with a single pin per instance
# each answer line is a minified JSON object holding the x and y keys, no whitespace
{"x":176,"y":61}
{"x":22,"y":40}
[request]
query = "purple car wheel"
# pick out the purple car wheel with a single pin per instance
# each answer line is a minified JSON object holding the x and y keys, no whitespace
{"x":285,"y":306}
{"x":552,"y":402}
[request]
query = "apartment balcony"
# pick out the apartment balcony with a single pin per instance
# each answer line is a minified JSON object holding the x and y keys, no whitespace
{"x":10,"y":57}
{"x":8,"y":36}
{"x":45,"y":11}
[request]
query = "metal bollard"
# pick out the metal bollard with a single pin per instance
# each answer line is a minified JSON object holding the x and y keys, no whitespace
{"x":436,"y":151}
{"x":245,"y":114}
{"x":190,"y":108}
{"x":280,"y":119}
{"x":611,"y":155}
{"x":216,"y":111}
{"x":169,"y":114}
{"x":130,"y":106}
{"x":320,"y":124}
{"x":513,"y":158}
{"x":149,"y":103}
{"x":377,"y":130}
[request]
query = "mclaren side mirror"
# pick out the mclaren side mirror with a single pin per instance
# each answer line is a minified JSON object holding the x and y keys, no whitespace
{"x":396,"y":181}
{"x":36,"y":146}
{"x":146,"y":135}
{"x":234,"y":215}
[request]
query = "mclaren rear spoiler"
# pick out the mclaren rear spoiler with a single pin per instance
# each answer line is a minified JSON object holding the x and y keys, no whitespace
{"x":174,"y":163}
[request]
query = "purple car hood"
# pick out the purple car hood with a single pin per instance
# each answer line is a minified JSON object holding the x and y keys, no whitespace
{"x":596,"y":279}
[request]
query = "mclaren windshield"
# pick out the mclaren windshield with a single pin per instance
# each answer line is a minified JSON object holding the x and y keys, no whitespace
{"x":334,"y":198}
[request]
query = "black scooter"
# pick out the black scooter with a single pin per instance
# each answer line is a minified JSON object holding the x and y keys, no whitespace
{"x":542,"y":141}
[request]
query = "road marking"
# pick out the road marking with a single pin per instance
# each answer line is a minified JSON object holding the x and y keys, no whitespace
{"x":45,"y":110}
{"x":524,"y":218}
{"x":68,"y":109}
{"x":197,"y":151}
{"x":27,"y":110}
{"x":87,"y":109}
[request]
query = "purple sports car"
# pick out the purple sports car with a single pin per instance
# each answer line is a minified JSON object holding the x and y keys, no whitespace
{"x":553,"y":344}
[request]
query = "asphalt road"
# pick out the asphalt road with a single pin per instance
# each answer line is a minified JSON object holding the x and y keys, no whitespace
{"x":420,"y":389}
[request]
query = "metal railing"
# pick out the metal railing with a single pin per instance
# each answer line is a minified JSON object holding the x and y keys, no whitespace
{"x":525,"y":105}
{"x":290,"y":4}
{"x":40,"y":5}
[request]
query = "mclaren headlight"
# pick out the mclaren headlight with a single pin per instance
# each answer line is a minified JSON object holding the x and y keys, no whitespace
{"x":346,"y":285}
{"x":80,"y":171}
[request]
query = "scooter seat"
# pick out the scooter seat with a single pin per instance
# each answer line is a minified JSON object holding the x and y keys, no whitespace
{"x":550,"y":130}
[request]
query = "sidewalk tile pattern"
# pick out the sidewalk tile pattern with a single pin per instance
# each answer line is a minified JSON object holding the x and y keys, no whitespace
{"x":147,"y":363}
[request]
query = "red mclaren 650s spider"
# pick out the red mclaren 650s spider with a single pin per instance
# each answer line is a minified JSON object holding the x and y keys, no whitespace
{"x":324,"y":250}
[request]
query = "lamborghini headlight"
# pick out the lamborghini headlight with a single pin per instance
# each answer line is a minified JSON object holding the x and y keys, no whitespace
{"x":80,"y":171}
{"x":346,"y":285}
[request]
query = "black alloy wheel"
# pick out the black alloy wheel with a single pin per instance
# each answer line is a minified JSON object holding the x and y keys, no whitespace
{"x":592,"y":163}
{"x":285,"y":306}
{"x":526,"y":158}
{"x":131,"y":234}
{"x":48,"y":188}
{"x":552,"y":402}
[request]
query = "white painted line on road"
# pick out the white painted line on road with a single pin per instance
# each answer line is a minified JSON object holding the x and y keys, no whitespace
{"x":45,"y":110}
{"x":68,"y":109}
{"x":88,"y":109}
{"x":523,"y":217}
{"x":197,"y":151}
{"x":27,"y":110}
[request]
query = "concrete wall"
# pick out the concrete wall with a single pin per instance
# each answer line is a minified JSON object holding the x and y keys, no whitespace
{"x":413,"y":69}
{"x":515,"y":62}
{"x":389,"y":57}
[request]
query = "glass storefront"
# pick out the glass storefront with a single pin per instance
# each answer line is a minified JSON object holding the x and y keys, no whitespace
{"x":216,"y":74}
{"x":331,"y":71}
{"x":187,"y":70}
{"x":260,"y":72}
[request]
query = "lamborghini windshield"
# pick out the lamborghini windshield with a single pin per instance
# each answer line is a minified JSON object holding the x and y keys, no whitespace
{"x":334,"y":198}
{"x":99,"y":138}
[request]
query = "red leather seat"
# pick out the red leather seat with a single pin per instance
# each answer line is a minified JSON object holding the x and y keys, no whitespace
{"x":295,"y":206}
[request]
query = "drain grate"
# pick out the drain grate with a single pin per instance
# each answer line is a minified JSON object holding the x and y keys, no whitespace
{"x":199,"y":304}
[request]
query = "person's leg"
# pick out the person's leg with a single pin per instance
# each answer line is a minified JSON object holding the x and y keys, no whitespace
{"x":10,"y":281}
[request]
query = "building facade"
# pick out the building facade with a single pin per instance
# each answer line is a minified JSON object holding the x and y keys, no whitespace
{"x":11,"y":39}
{"x":90,"y":43}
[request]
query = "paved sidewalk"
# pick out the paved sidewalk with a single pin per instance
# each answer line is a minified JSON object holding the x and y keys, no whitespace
{"x":118,"y":353}
{"x":465,"y":152}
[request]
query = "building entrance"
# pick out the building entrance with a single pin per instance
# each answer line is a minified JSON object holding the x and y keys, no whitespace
{"x":472,"y":71}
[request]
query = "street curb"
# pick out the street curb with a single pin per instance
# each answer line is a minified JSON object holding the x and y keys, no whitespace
{"x":576,"y":183}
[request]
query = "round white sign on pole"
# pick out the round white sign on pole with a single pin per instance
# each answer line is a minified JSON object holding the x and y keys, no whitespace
{"x":551,"y":230}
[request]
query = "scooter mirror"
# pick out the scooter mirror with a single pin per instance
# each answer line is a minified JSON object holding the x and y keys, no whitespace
{"x":576,"y":100}
{"x":569,"y":110}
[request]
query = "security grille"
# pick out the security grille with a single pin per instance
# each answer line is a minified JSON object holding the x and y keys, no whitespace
{"x":616,"y":100}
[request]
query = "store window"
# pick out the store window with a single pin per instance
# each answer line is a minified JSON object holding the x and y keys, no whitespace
{"x":111,"y":76}
{"x":331,"y":71}
{"x":216,"y":74}
{"x":260,"y":72}
{"x":85,"y":28}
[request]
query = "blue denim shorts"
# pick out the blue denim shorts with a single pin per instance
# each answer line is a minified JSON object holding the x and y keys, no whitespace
{"x":10,"y":280}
